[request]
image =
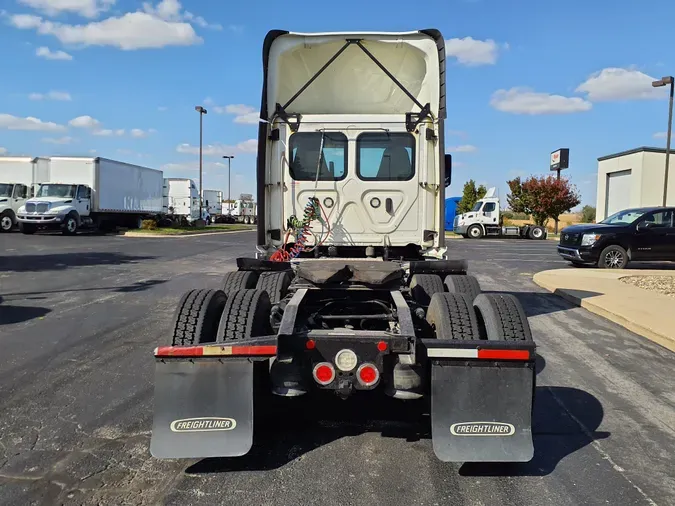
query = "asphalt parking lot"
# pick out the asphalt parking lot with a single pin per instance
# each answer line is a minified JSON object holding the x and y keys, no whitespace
{"x":79,"y":317}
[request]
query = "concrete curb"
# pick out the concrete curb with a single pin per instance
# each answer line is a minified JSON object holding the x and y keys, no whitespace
{"x":606,"y":311}
{"x":182,"y":236}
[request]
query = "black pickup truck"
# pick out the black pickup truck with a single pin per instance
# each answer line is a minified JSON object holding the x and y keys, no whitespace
{"x":644,"y":235}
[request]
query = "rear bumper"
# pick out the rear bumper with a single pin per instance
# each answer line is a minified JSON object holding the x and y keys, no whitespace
{"x":578,"y":254}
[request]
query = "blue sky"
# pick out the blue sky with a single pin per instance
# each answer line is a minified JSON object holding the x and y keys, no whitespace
{"x":120,"y":79}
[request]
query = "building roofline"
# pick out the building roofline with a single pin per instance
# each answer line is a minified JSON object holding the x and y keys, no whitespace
{"x":642,"y":149}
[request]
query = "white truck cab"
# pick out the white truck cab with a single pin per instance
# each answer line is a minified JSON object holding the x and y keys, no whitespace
{"x":365,"y":147}
{"x":12,"y":197}
{"x":484,"y":220}
{"x":19,"y":176}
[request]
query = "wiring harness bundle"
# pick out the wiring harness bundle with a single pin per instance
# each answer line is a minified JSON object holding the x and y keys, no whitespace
{"x":302,"y":230}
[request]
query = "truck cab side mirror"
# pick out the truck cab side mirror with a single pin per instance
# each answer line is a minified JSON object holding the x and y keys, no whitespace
{"x":448,"y":169}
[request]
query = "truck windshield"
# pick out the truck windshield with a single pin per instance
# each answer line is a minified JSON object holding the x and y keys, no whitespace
{"x":476,"y":206}
{"x":6,"y":190}
{"x":57,"y":190}
{"x":321,"y":155}
{"x":625,"y":217}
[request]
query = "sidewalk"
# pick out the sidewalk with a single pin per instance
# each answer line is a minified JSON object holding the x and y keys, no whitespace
{"x":645,"y":312}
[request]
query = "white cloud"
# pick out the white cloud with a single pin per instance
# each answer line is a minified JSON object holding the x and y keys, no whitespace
{"x":84,"y":122}
{"x":48,"y":54}
{"x":9,"y":122}
{"x":59,"y":140}
{"x":473,"y":52}
{"x":249,"y":146}
{"x":620,"y":84}
{"x":107,"y":132}
{"x":465,"y":148}
{"x":660,"y":135}
{"x":85,"y":8}
{"x":3,"y":151}
{"x":137,"y":132}
{"x":131,"y":31}
{"x":170,"y":10}
{"x":526,"y":101}
{"x":244,"y":114}
{"x":52,"y":95}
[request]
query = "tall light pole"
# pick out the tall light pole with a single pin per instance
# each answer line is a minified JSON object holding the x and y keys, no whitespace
{"x":664,"y":81}
{"x":201,"y":112}
{"x":229,"y":196}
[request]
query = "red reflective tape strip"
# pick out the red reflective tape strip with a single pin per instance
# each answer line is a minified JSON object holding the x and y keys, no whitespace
{"x":179,"y":351}
{"x":504,"y":354}
{"x":254,"y":350}
{"x":214,"y":351}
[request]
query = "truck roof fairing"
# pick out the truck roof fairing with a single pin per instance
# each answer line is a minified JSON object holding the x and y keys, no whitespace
{"x":353,"y":80}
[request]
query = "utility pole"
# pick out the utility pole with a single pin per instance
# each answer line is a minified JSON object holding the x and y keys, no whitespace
{"x":201,"y":112}
{"x":664,"y":81}
{"x":229,"y":195}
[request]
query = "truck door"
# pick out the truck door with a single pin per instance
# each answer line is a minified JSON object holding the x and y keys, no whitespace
{"x":19,"y":196}
{"x":489,"y":214}
{"x":83,"y":200}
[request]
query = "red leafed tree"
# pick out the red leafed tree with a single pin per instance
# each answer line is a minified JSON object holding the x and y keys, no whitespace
{"x":543,"y":197}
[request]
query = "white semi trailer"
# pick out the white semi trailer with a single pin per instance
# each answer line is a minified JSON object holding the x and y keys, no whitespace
{"x":84,"y":192}
{"x":213,"y":203}
{"x":181,"y":200}
{"x":19,"y":179}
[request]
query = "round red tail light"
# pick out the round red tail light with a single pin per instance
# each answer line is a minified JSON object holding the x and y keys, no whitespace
{"x":324,"y":373}
{"x":368,"y":374}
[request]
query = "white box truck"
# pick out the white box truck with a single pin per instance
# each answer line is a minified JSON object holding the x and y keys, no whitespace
{"x":19,"y":178}
{"x":213,"y":203}
{"x":85,"y":192}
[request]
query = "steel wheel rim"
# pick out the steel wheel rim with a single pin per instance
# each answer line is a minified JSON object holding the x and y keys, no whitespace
{"x":537,"y":232}
{"x":6,"y":223}
{"x":613,"y":259}
{"x":71,"y":225}
{"x":474,"y":232}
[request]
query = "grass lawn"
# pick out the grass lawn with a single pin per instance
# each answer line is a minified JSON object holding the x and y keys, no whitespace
{"x":192,"y":230}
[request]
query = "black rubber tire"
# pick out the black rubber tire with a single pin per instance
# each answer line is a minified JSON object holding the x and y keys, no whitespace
{"x":275,"y":284}
{"x":613,"y":250}
{"x":424,"y":286}
{"x":537,"y":233}
{"x":246,"y":314}
{"x":27,"y":228}
{"x":478,"y":234}
{"x":65,"y":229}
{"x":501,"y":317}
{"x":239,"y":280}
{"x":451,"y":316}
{"x":197,"y":316}
{"x":6,"y":221}
{"x":466,"y":284}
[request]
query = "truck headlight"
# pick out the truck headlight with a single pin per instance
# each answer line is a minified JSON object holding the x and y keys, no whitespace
{"x":53,"y":212}
{"x":590,"y":239}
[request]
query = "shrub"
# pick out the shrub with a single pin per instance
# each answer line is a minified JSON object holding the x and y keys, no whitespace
{"x":149,"y":225}
{"x":588,"y":214}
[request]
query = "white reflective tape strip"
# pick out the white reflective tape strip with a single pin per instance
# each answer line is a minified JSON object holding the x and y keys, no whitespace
{"x":451,"y":353}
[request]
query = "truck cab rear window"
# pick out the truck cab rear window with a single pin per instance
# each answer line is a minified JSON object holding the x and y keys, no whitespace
{"x":385,"y":156}
{"x":308,"y":156}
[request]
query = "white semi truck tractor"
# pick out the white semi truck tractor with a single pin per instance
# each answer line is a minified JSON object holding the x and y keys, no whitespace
{"x":485,"y":220}
{"x":350,"y":291}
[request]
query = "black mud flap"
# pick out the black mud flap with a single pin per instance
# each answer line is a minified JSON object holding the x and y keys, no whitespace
{"x":482,"y":411}
{"x":203,"y":408}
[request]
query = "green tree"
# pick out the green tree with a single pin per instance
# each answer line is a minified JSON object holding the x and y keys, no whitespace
{"x":587,"y":214}
{"x":470,"y":196}
{"x":542,"y":197}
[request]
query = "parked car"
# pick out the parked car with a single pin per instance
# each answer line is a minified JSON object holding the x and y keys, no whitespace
{"x":644,"y":234}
